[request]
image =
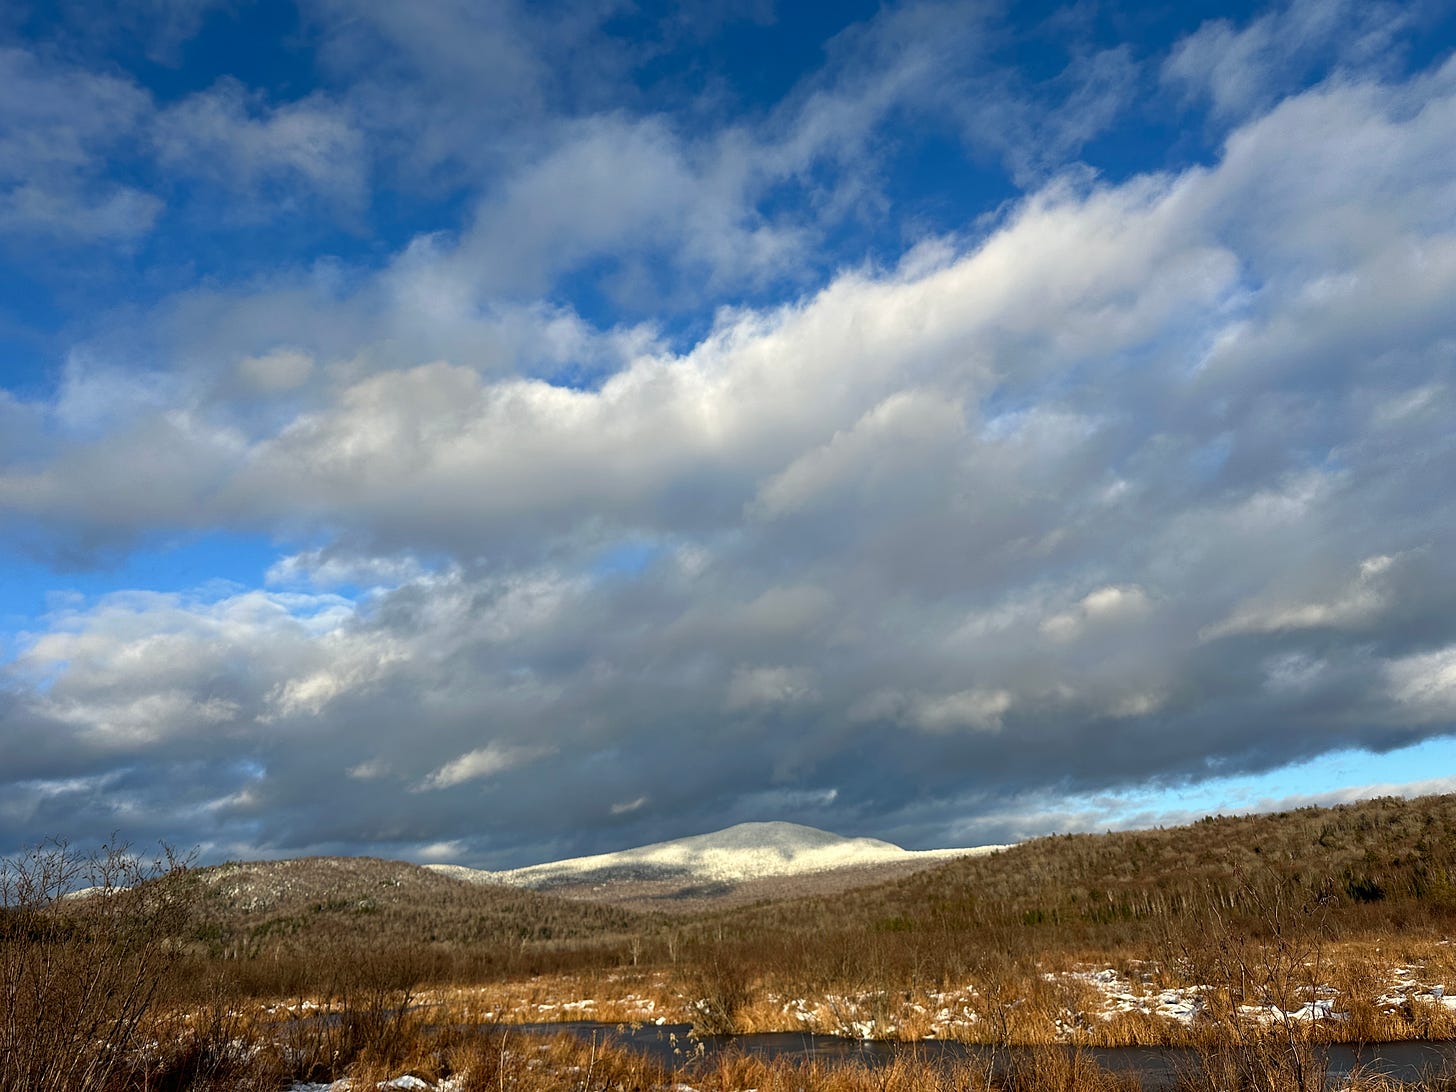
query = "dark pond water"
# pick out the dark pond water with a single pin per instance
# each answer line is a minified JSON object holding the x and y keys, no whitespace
{"x":674,"y":1045}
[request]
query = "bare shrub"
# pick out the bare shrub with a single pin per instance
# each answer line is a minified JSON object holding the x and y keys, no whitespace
{"x":1062,"y":1069}
{"x":359,"y":1007}
{"x":1261,"y":975}
{"x":79,"y":972}
{"x":209,"y":1049}
{"x":722,"y":987}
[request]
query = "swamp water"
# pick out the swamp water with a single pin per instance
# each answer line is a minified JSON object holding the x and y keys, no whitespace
{"x":674,"y":1045}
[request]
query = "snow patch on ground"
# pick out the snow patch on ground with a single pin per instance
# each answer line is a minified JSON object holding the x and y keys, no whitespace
{"x":1406,"y":991}
{"x":748,"y":851}
{"x":406,"y":1083}
{"x":1185,"y":1005}
{"x":1121,"y":995}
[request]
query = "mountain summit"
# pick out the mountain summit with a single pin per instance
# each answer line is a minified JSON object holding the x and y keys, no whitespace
{"x":735,"y":855}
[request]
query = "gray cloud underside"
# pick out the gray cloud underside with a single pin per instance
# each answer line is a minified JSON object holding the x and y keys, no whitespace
{"x":1143,"y":484}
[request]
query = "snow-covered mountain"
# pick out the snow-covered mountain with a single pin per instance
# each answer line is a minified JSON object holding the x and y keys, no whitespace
{"x":748,"y":851}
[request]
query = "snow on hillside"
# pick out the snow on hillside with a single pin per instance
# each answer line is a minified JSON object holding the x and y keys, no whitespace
{"x":748,"y":851}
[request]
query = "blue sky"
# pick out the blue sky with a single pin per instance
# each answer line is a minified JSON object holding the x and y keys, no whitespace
{"x":489,"y":433}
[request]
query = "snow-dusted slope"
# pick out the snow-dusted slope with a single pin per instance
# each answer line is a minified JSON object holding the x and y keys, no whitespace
{"x":748,"y":851}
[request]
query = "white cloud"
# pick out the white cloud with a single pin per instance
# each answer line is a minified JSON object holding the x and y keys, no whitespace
{"x":1109,"y":604}
{"x":729,"y":408}
{"x":141,"y":667}
{"x":484,"y":762}
{"x":144,"y":719}
{"x":1155,"y":271}
{"x":1243,"y":68}
{"x":329,"y":569}
{"x":446,"y":852}
{"x":352,"y":663}
{"x":229,"y":135}
{"x":619,"y":187}
{"x":1425,"y":684}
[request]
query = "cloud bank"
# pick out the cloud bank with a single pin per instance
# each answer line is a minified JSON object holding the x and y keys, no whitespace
{"x":1138,"y":480}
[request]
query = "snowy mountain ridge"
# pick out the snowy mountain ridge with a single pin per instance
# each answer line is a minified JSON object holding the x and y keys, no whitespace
{"x":747,"y":851}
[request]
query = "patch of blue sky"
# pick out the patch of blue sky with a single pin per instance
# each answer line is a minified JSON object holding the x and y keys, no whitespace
{"x":1207,"y":463}
{"x":749,"y":63}
{"x":201,"y":236}
{"x":615,"y":291}
{"x":31,"y":588}
{"x":261,"y":44}
{"x":1163,"y":141}
{"x":1436,"y":26}
{"x":611,"y":290}
{"x":27,"y":356}
{"x":626,"y":559}
{"x":1316,"y":780}
{"x":931,"y":187}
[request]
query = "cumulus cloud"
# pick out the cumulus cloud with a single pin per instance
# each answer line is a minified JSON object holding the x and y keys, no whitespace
{"x":57,"y":126}
{"x":261,"y":150}
{"x":628,"y":189}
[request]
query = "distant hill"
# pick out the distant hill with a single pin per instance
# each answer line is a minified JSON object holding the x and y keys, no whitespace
{"x":1386,"y":860}
{"x":248,"y":907}
{"x":761,"y":860}
{"x":778,"y":899}
{"x":1368,"y":861}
